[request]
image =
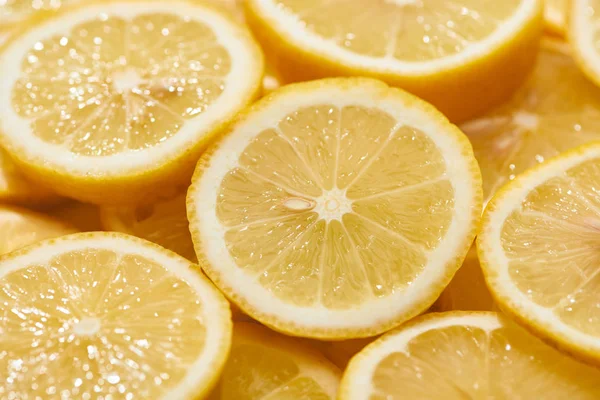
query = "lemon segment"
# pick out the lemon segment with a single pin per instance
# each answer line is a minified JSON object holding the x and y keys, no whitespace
{"x":424,"y":47}
{"x":460,"y":355}
{"x":21,"y":227}
{"x":557,"y":109}
{"x":332,"y":208}
{"x":266,"y":365}
{"x":117,"y":316}
{"x":538,"y":251}
{"x":107,"y":101}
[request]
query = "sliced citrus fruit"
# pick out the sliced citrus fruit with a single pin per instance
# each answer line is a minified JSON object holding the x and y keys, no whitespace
{"x":584,"y":30}
{"x":556,"y":109}
{"x":340,"y":352}
{"x":15,"y":188}
{"x":463,"y":56}
{"x":336,"y":208}
{"x":20,"y":227}
{"x":465,"y":355}
{"x":539,"y":254}
{"x":107,"y":101}
{"x":108,"y":315}
{"x":164,"y":222}
{"x":555,"y":14}
{"x":467,"y":291}
{"x":14,"y":12}
{"x":265,"y":365}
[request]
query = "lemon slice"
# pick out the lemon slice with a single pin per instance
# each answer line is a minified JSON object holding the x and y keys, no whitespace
{"x":20,"y":227}
{"x":463,"y":56}
{"x":336,"y":208}
{"x":555,"y":14}
{"x":107,"y":101}
{"x":556,"y":109}
{"x":164,"y":223}
{"x":583,"y":35}
{"x":17,"y":189}
{"x":14,"y":12}
{"x":465,"y":355}
{"x":265,"y":365}
{"x":108,"y":315}
{"x":538,"y":250}
{"x":467,"y":291}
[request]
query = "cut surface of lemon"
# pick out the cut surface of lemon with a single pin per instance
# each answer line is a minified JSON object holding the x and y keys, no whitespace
{"x":164,"y":223}
{"x":557,"y":109}
{"x":336,"y":208}
{"x":467,"y":291}
{"x":107,"y":101}
{"x":465,"y":355}
{"x":265,"y":365}
{"x":538,"y":250}
{"x":584,"y":31}
{"x":14,"y":12}
{"x":108,"y":315}
{"x":425,"y":47}
{"x":15,"y":188}
{"x":555,"y":15}
{"x":20,"y":227}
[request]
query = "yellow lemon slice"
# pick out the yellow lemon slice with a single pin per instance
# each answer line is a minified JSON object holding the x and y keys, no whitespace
{"x":164,"y":222}
{"x":556,"y":109}
{"x":555,"y":14}
{"x":15,"y":188}
{"x":460,"y":355}
{"x":583,"y":35}
{"x":265,"y":365}
{"x":108,"y":101}
{"x":108,"y":315}
{"x":538,"y":250}
{"x":20,"y":227}
{"x":463,"y":56}
{"x":336,"y":208}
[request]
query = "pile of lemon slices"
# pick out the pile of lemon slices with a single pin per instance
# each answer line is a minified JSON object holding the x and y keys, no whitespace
{"x":279,"y":199}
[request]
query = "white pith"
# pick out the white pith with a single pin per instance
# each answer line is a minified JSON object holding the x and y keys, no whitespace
{"x":212,"y":303}
{"x":497,"y":262}
{"x":370,"y":313}
{"x":18,"y":130}
{"x":582,"y":27}
{"x":291,"y":27}
{"x":364,"y":366}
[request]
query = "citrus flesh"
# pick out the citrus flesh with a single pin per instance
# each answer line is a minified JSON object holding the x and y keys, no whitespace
{"x":538,"y":251}
{"x":459,"y":355}
{"x":331,"y":209}
{"x":105,"y":314}
{"x":20,"y":227}
{"x":265,"y":365}
{"x":107,"y":100}
{"x":557,"y":109}
{"x":583,"y":35}
{"x":424,"y":47}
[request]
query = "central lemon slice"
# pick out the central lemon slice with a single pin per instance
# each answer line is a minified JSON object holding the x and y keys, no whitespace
{"x":337,"y":208}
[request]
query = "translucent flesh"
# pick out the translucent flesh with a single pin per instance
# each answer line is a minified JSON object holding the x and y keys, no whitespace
{"x":557,"y":109}
{"x":22,"y":227}
{"x":115,"y":85}
{"x":14,"y":10}
{"x":375,"y":201}
{"x":551,"y":242}
{"x":267,"y":368}
{"x":407,"y":30}
{"x":463,"y":362}
{"x":94,"y":323}
{"x":164,"y":223}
